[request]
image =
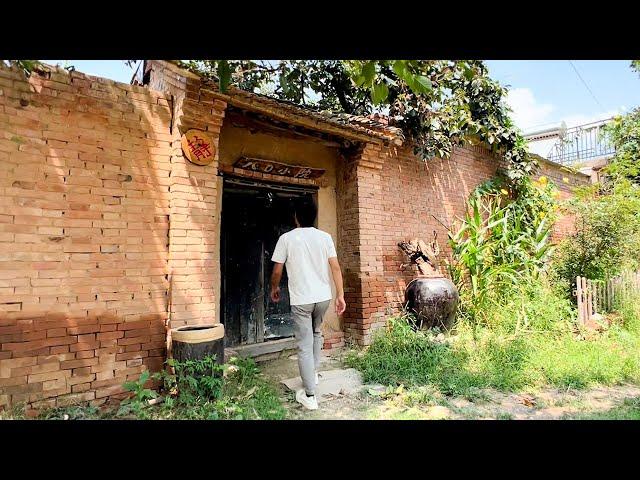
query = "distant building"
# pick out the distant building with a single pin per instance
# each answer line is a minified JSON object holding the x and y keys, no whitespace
{"x":583,"y":147}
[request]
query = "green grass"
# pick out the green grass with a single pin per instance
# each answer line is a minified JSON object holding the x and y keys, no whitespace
{"x":245,"y":395}
{"x":15,"y":413}
{"x":493,"y":357}
{"x":629,"y":410}
{"x":504,"y":416}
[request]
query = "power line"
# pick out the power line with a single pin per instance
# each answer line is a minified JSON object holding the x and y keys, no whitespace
{"x":585,"y":84}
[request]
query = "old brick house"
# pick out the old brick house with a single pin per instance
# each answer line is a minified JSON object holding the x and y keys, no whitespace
{"x":108,"y":234}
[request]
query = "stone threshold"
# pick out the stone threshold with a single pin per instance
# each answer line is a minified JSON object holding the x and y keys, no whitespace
{"x":264,"y":351}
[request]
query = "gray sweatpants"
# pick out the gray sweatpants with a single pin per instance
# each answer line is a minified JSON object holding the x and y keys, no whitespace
{"x":307,"y":321}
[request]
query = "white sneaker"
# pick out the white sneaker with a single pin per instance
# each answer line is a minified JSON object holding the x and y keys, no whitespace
{"x":317,"y":379}
{"x":310,"y":403}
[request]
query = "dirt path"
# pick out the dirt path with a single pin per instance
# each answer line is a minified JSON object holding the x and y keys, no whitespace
{"x":373,"y":402}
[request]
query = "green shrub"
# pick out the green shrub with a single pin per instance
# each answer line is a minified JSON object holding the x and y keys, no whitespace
{"x":548,"y":352}
{"x":193,"y":381}
{"x":606,"y":240}
{"x":198,"y":390}
{"x":607,"y":215}
{"x":137,"y":404}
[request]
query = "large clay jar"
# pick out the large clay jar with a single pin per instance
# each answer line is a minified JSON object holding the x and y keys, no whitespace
{"x":433,"y":301}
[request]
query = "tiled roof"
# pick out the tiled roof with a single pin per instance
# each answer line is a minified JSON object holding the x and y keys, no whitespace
{"x":375,"y":126}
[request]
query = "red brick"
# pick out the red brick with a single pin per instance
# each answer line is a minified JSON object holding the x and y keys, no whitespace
{"x":84,"y":329}
{"x":110,"y":335}
{"x":84,"y":362}
{"x":108,"y":391}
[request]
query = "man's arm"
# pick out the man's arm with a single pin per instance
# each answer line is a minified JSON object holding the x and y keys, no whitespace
{"x":278,"y":258}
{"x":336,"y":272}
{"x":276,"y":275}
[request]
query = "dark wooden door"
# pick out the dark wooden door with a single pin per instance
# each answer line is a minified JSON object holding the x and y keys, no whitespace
{"x":243,"y":286}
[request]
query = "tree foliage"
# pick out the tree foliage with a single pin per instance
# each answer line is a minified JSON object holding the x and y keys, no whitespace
{"x":606,"y":239}
{"x":437,"y":103}
{"x":624,"y":133}
{"x":27,"y":66}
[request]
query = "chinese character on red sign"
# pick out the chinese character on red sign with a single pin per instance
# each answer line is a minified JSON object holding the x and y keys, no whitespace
{"x":197,"y":147}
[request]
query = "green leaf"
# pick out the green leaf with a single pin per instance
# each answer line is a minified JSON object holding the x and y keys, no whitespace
{"x":144,"y":377}
{"x":468,"y":74}
{"x":379,"y":93}
{"x":369,"y":72}
{"x":224,"y":74}
{"x":284,"y":84}
{"x":425,"y":83}
{"x":400,"y":69}
{"x":419,"y":83}
{"x":130,"y":386}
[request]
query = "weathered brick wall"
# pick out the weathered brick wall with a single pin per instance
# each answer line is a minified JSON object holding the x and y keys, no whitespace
{"x":360,"y":212}
{"x":566,"y":180}
{"x":84,"y":220}
{"x":419,"y":198}
{"x":387,"y":196}
{"x":194,"y":251}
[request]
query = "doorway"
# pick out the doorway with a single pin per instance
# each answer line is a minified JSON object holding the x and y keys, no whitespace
{"x":254,"y":215}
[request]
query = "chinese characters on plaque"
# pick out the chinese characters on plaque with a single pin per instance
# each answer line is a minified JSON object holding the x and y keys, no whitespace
{"x":276,"y":168}
{"x":198,"y":147}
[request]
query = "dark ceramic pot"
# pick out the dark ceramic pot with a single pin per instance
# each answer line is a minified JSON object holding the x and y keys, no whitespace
{"x":433,"y":301}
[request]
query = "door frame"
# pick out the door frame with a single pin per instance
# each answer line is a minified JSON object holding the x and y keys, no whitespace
{"x":251,"y":183}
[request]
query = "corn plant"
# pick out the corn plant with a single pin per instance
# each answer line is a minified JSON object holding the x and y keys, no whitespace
{"x":500,"y":242}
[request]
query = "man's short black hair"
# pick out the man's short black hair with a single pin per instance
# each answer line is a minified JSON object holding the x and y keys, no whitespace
{"x":306,"y":212}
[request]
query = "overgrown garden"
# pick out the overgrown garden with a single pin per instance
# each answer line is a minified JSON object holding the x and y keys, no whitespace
{"x":516,"y":326}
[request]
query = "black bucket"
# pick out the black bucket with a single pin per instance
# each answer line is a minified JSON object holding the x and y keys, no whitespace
{"x":195,"y":342}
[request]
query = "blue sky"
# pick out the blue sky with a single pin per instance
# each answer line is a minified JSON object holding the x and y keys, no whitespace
{"x":543,"y":93}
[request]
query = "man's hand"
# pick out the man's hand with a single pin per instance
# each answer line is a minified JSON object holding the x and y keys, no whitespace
{"x":276,"y":275}
{"x":336,"y":272}
{"x":340,"y":305}
{"x":275,"y":294}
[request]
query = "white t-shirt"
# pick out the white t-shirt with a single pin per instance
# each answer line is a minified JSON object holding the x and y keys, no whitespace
{"x":306,"y":253}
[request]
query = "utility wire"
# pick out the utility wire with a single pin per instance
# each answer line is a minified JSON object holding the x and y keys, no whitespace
{"x":585,"y":84}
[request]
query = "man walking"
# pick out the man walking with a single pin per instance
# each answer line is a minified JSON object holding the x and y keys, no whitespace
{"x":309,"y":255}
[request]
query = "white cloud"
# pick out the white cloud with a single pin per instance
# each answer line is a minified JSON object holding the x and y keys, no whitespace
{"x":527,"y":112}
{"x":580,"y":119}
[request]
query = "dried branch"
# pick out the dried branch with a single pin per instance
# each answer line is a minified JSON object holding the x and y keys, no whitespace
{"x":424,"y":256}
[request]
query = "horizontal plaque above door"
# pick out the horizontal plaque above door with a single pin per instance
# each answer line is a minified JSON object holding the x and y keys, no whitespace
{"x":277,"y":168}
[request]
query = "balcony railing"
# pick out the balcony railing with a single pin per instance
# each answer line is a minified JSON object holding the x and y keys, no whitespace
{"x":582,"y":143}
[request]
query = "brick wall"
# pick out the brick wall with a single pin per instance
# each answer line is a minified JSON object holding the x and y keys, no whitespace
{"x":84,"y":220}
{"x":566,"y":181}
{"x":360,"y":198}
{"x":391,"y":195}
{"x":195,"y":198}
